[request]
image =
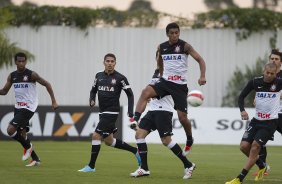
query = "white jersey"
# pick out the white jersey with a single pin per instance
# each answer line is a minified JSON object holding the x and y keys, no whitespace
{"x":25,"y":90}
{"x":163,"y":104}
{"x":175,"y":62}
{"x":267,"y":105}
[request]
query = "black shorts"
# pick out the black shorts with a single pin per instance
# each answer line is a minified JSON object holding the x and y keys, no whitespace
{"x":279,"y":126}
{"x":21,"y":118}
{"x":157,"y":120}
{"x":106,"y":125}
{"x":261,"y":131}
{"x":177,"y":91}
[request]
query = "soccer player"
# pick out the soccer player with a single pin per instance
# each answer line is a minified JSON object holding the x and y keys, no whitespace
{"x":159,"y":117}
{"x":264,"y":124}
{"x":276,"y":58}
{"x":108,"y":84}
{"x":173,"y":65}
{"x":24,"y":82}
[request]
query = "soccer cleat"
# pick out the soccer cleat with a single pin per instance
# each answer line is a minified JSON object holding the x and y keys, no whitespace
{"x":140,"y":172}
{"x":27,"y":153}
{"x":87,"y":168}
{"x":266,"y":173}
{"x":186,"y":150}
{"x":260,"y":174}
{"x":33,"y":163}
{"x":234,"y":181}
{"x":189,"y":171}
{"x":138,"y":159}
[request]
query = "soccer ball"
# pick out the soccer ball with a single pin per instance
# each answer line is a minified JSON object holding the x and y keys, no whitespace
{"x":195,"y":98}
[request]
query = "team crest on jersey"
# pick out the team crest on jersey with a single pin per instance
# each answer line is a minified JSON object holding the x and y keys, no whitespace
{"x":114,"y":81}
{"x":177,"y":48}
{"x":25,"y":78}
{"x":273,"y":87}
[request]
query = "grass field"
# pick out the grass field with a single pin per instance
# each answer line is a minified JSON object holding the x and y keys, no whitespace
{"x":61,"y":160}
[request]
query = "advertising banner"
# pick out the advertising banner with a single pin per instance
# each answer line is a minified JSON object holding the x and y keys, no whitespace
{"x":66,"y":123}
{"x":209,"y":126}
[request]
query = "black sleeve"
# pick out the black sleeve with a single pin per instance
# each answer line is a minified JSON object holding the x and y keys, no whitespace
{"x":130,"y":96}
{"x":248,"y":88}
{"x":94,"y":90}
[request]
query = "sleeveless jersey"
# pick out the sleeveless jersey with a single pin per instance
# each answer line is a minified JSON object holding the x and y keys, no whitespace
{"x":25,"y":90}
{"x":175,"y":62}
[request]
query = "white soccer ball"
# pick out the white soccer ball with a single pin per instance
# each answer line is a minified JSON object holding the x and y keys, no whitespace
{"x":195,"y":98}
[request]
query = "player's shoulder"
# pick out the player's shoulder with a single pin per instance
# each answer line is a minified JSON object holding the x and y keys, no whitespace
{"x":258,"y":78}
{"x":99,"y":73}
{"x":119,"y":75}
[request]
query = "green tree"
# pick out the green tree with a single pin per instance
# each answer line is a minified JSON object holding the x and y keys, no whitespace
{"x":219,"y":4}
{"x":7,"y":49}
{"x":5,"y":3}
{"x":239,"y":81}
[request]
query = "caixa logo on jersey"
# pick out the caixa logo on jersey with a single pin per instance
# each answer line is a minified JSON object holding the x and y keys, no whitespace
{"x":67,"y":123}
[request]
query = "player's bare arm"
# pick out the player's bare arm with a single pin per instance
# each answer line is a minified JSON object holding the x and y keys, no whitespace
{"x":160,"y":62}
{"x":7,"y":86}
{"x":48,"y":86}
{"x":190,"y":50}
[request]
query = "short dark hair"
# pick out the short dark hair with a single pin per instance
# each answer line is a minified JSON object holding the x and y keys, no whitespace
{"x":276,"y":52}
{"x":172,"y":25}
{"x":109,"y":55}
{"x":20,"y":55}
{"x":270,"y":65}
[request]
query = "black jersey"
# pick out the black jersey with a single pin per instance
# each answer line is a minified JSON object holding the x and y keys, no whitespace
{"x":109,"y":89}
{"x":267,"y":97}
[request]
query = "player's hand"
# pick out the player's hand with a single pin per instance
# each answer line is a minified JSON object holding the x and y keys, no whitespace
{"x":244,"y":115}
{"x":202,"y":81}
{"x":133,"y":124}
{"x":130,"y":114}
{"x":54,"y":105}
{"x":92,"y":103}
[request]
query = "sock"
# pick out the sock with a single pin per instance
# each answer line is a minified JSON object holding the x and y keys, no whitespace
{"x":260,"y":163}
{"x":143,"y":150}
{"x":34,"y":156}
{"x":242,"y":175}
{"x":137,"y":116}
{"x":175,"y":148}
{"x":189,"y":141}
{"x":124,"y":146}
{"x":95,"y":149}
{"x":263,"y":154}
{"x":24,"y":142}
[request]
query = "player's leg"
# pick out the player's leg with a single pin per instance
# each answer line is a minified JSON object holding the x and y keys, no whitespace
{"x":140,"y":136}
{"x":189,"y":167}
{"x":146,"y":94}
{"x":21,"y":119}
{"x":179,"y":95}
{"x":119,"y":144}
{"x":35,"y":159}
{"x":95,"y":150}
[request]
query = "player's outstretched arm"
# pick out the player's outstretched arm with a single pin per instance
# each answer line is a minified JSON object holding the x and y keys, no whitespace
{"x":7,"y":86}
{"x":48,"y":86}
{"x":190,"y":50}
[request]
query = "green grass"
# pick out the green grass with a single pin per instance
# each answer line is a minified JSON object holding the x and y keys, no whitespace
{"x":61,"y":160}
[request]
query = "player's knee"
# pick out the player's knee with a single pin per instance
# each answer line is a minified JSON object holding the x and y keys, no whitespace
{"x":108,"y":143}
{"x":166,"y":140}
{"x":11,"y":130}
{"x":244,"y":147}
